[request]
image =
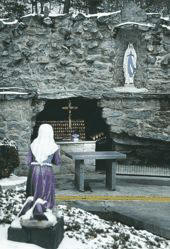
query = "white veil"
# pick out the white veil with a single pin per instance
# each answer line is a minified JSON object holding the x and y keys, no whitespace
{"x":44,"y":145}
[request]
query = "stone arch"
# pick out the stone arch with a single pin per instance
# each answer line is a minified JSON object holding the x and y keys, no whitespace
{"x":88,"y":110}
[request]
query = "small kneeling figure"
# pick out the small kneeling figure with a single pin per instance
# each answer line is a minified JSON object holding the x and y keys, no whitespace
{"x":40,"y":188}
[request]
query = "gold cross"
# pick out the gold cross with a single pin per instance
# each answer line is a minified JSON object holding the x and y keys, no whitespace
{"x":69,"y":108}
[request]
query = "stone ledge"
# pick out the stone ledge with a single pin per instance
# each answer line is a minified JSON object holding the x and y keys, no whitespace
{"x":111,"y":94}
{"x":142,"y":95}
{"x":13,"y":182}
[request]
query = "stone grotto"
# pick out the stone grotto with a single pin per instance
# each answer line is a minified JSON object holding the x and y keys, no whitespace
{"x":78,"y":61}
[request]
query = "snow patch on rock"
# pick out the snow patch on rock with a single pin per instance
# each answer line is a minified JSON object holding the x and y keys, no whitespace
{"x":13,"y":181}
{"x":130,"y":89}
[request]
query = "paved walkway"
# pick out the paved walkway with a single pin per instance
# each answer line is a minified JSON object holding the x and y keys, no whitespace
{"x":142,"y":202}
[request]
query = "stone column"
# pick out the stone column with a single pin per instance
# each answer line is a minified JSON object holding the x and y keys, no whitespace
{"x":15,"y":124}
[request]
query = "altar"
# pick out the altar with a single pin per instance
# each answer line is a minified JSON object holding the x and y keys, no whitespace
{"x":69,"y":119}
{"x":62,"y":136}
{"x":79,"y":146}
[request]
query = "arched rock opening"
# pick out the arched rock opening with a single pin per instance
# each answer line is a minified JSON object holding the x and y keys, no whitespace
{"x":86,"y":118}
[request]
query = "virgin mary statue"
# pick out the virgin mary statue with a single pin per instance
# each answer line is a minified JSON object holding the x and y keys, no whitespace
{"x":129,"y":65}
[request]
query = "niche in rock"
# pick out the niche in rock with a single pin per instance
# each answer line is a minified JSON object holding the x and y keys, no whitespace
{"x":76,"y":114}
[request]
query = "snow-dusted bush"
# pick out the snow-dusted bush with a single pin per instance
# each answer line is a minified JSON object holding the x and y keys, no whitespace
{"x":9,"y":158}
{"x":94,"y":233}
{"x":11,"y":202}
{"x":18,"y":8}
{"x":13,"y":8}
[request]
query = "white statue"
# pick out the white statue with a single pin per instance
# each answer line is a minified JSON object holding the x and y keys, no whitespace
{"x":129,"y":65}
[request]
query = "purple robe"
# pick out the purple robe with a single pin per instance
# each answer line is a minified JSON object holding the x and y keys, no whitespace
{"x":41,"y":184}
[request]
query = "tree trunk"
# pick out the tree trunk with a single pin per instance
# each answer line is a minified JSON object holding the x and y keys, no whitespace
{"x":66,"y":6}
{"x":117,"y":4}
{"x":36,"y":8}
{"x":141,"y":3}
{"x":32,"y":5}
{"x":92,"y":10}
{"x":125,"y":2}
{"x":168,"y":6}
{"x":42,"y":8}
{"x":92,"y":6}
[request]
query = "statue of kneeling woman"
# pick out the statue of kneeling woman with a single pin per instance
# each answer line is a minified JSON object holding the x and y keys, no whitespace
{"x":40,"y":188}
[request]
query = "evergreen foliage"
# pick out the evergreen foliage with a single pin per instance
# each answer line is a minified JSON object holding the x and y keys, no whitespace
{"x":13,"y":8}
{"x":9,"y":159}
{"x":94,"y":6}
{"x":11,"y":202}
{"x":17,"y":8}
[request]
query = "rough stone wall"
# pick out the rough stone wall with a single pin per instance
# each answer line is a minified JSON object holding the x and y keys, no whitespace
{"x":140,"y":127}
{"x":77,"y":56}
{"x":140,"y":116}
{"x":157,"y":58}
{"x":72,"y":56}
{"x":17,"y":118}
{"x":15,"y":123}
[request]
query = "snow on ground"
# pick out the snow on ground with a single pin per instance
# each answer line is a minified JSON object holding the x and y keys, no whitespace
{"x":16,"y":245}
{"x":87,"y":231}
{"x":83,"y":230}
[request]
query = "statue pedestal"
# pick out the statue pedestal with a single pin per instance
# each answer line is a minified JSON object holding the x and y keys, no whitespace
{"x":49,"y":238}
{"x":130,"y":89}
